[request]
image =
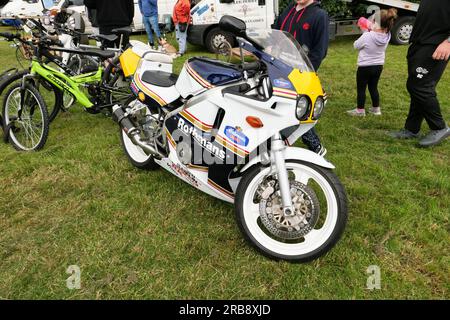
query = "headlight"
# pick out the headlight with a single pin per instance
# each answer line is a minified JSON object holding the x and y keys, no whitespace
{"x":302,"y":107}
{"x":318,"y":108}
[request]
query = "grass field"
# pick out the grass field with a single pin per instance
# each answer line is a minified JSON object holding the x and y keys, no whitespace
{"x":147,"y":235}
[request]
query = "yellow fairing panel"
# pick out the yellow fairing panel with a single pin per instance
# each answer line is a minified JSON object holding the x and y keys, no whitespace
{"x":129,"y":62}
{"x":307,"y":83}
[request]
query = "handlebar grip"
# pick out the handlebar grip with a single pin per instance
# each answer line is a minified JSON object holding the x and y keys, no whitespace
{"x":251,"y":66}
{"x":9,"y":36}
{"x":53,"y":40}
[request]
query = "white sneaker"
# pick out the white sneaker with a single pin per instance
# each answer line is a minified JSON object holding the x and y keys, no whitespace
{"x":357,"y":112}
{"x":375,"y":111}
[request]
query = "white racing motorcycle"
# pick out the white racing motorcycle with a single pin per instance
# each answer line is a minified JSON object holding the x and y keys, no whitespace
{"x":227,"y":130}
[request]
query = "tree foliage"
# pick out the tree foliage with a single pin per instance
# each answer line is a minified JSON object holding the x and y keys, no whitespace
{"x":339,"y":8}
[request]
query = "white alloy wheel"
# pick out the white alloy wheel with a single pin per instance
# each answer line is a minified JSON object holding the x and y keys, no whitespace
{"x":317,"y":194}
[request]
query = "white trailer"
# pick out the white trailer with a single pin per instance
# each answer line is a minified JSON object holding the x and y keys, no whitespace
{"x":401,"y":31}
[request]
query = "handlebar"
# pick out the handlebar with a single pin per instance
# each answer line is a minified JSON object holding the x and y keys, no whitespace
{"x":74,"y":33}
{"x":46,"y":39}
{"x":52,"y":41}
{"x":9,"y":36}
{"x":250,"y":66}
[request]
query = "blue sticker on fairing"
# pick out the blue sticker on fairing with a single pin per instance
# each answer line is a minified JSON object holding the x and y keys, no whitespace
{"x":194,"y":10}
{"x":282,"y":83}
{"x":235,"y":135}
{"x":203,"y":10}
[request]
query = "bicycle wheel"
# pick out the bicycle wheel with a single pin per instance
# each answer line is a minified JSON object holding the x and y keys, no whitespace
{"x":114,"y":77}
{"x":121,"y":91}
{"x":27,"y":125}
{"x":52,"y":95}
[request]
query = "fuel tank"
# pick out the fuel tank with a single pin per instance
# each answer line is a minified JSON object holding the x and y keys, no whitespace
{"x":200,"y":74}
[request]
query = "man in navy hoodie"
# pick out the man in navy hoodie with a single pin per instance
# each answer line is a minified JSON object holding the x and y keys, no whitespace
{"x":149,"y":10}
{"x":309,"y":24}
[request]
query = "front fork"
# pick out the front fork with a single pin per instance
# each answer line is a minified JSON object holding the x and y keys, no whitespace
{"x":278,"y":163}
{"x":22,"y":94}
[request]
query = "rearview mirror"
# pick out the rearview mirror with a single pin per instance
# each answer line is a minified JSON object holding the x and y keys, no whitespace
{"x":233,"y":25}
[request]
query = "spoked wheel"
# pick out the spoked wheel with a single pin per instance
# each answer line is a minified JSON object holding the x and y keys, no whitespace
{"x":26,"y":125}
{"x":121,"y":89}
{"x":114,"y":77}
{"x":68,"y":101}
{"x":135,"y":154}
{"x":320,"y":212}
{"x":51,"y":95}
{"x":75,"y":64}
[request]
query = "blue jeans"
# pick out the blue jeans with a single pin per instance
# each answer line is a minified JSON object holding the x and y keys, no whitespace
{"x":151,"y":23}
{"x":181,"y":38}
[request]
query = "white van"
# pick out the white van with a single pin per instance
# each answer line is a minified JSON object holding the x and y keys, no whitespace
{"x":206,"y":14}
{"x":25,"y":7}
{"x":32,"y":8}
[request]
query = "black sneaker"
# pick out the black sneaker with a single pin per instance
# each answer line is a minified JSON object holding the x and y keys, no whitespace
{"x":403,"y":134}
{"x":435,"y":137}
{"x":321,"y":151}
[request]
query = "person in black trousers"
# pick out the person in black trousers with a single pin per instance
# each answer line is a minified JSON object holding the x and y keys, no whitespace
{"x":428,"y":57}
{"x":309,"y":24}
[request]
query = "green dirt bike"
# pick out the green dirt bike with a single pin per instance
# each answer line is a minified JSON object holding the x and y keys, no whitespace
{"x":25,"y":117}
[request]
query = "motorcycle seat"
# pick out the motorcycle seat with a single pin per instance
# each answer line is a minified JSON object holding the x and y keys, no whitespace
{"x":102,"y":54}
{"x":103,"y":37}
{"x":124,"y":31}
{"x":159,"y":78}
{"x":158,"y":57}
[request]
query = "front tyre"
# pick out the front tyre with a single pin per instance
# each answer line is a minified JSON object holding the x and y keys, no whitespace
{"x":320,"y":216}
{"x":26,"y":125}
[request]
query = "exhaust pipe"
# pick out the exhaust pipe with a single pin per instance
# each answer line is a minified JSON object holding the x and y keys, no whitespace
{"x":132,"y":132}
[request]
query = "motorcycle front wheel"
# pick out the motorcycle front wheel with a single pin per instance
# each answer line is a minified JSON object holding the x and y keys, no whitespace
{"x":320,"y":204}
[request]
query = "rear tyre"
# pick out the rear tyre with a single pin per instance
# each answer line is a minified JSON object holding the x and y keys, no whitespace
{"x":134,"y":153}
{"x":26,"y":126}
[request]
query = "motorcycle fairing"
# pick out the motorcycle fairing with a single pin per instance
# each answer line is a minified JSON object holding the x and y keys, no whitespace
{"x":211,"y":178}
{"x":204,"y":88}
{"x":213,"y":153}
{"x":301,"y":83}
